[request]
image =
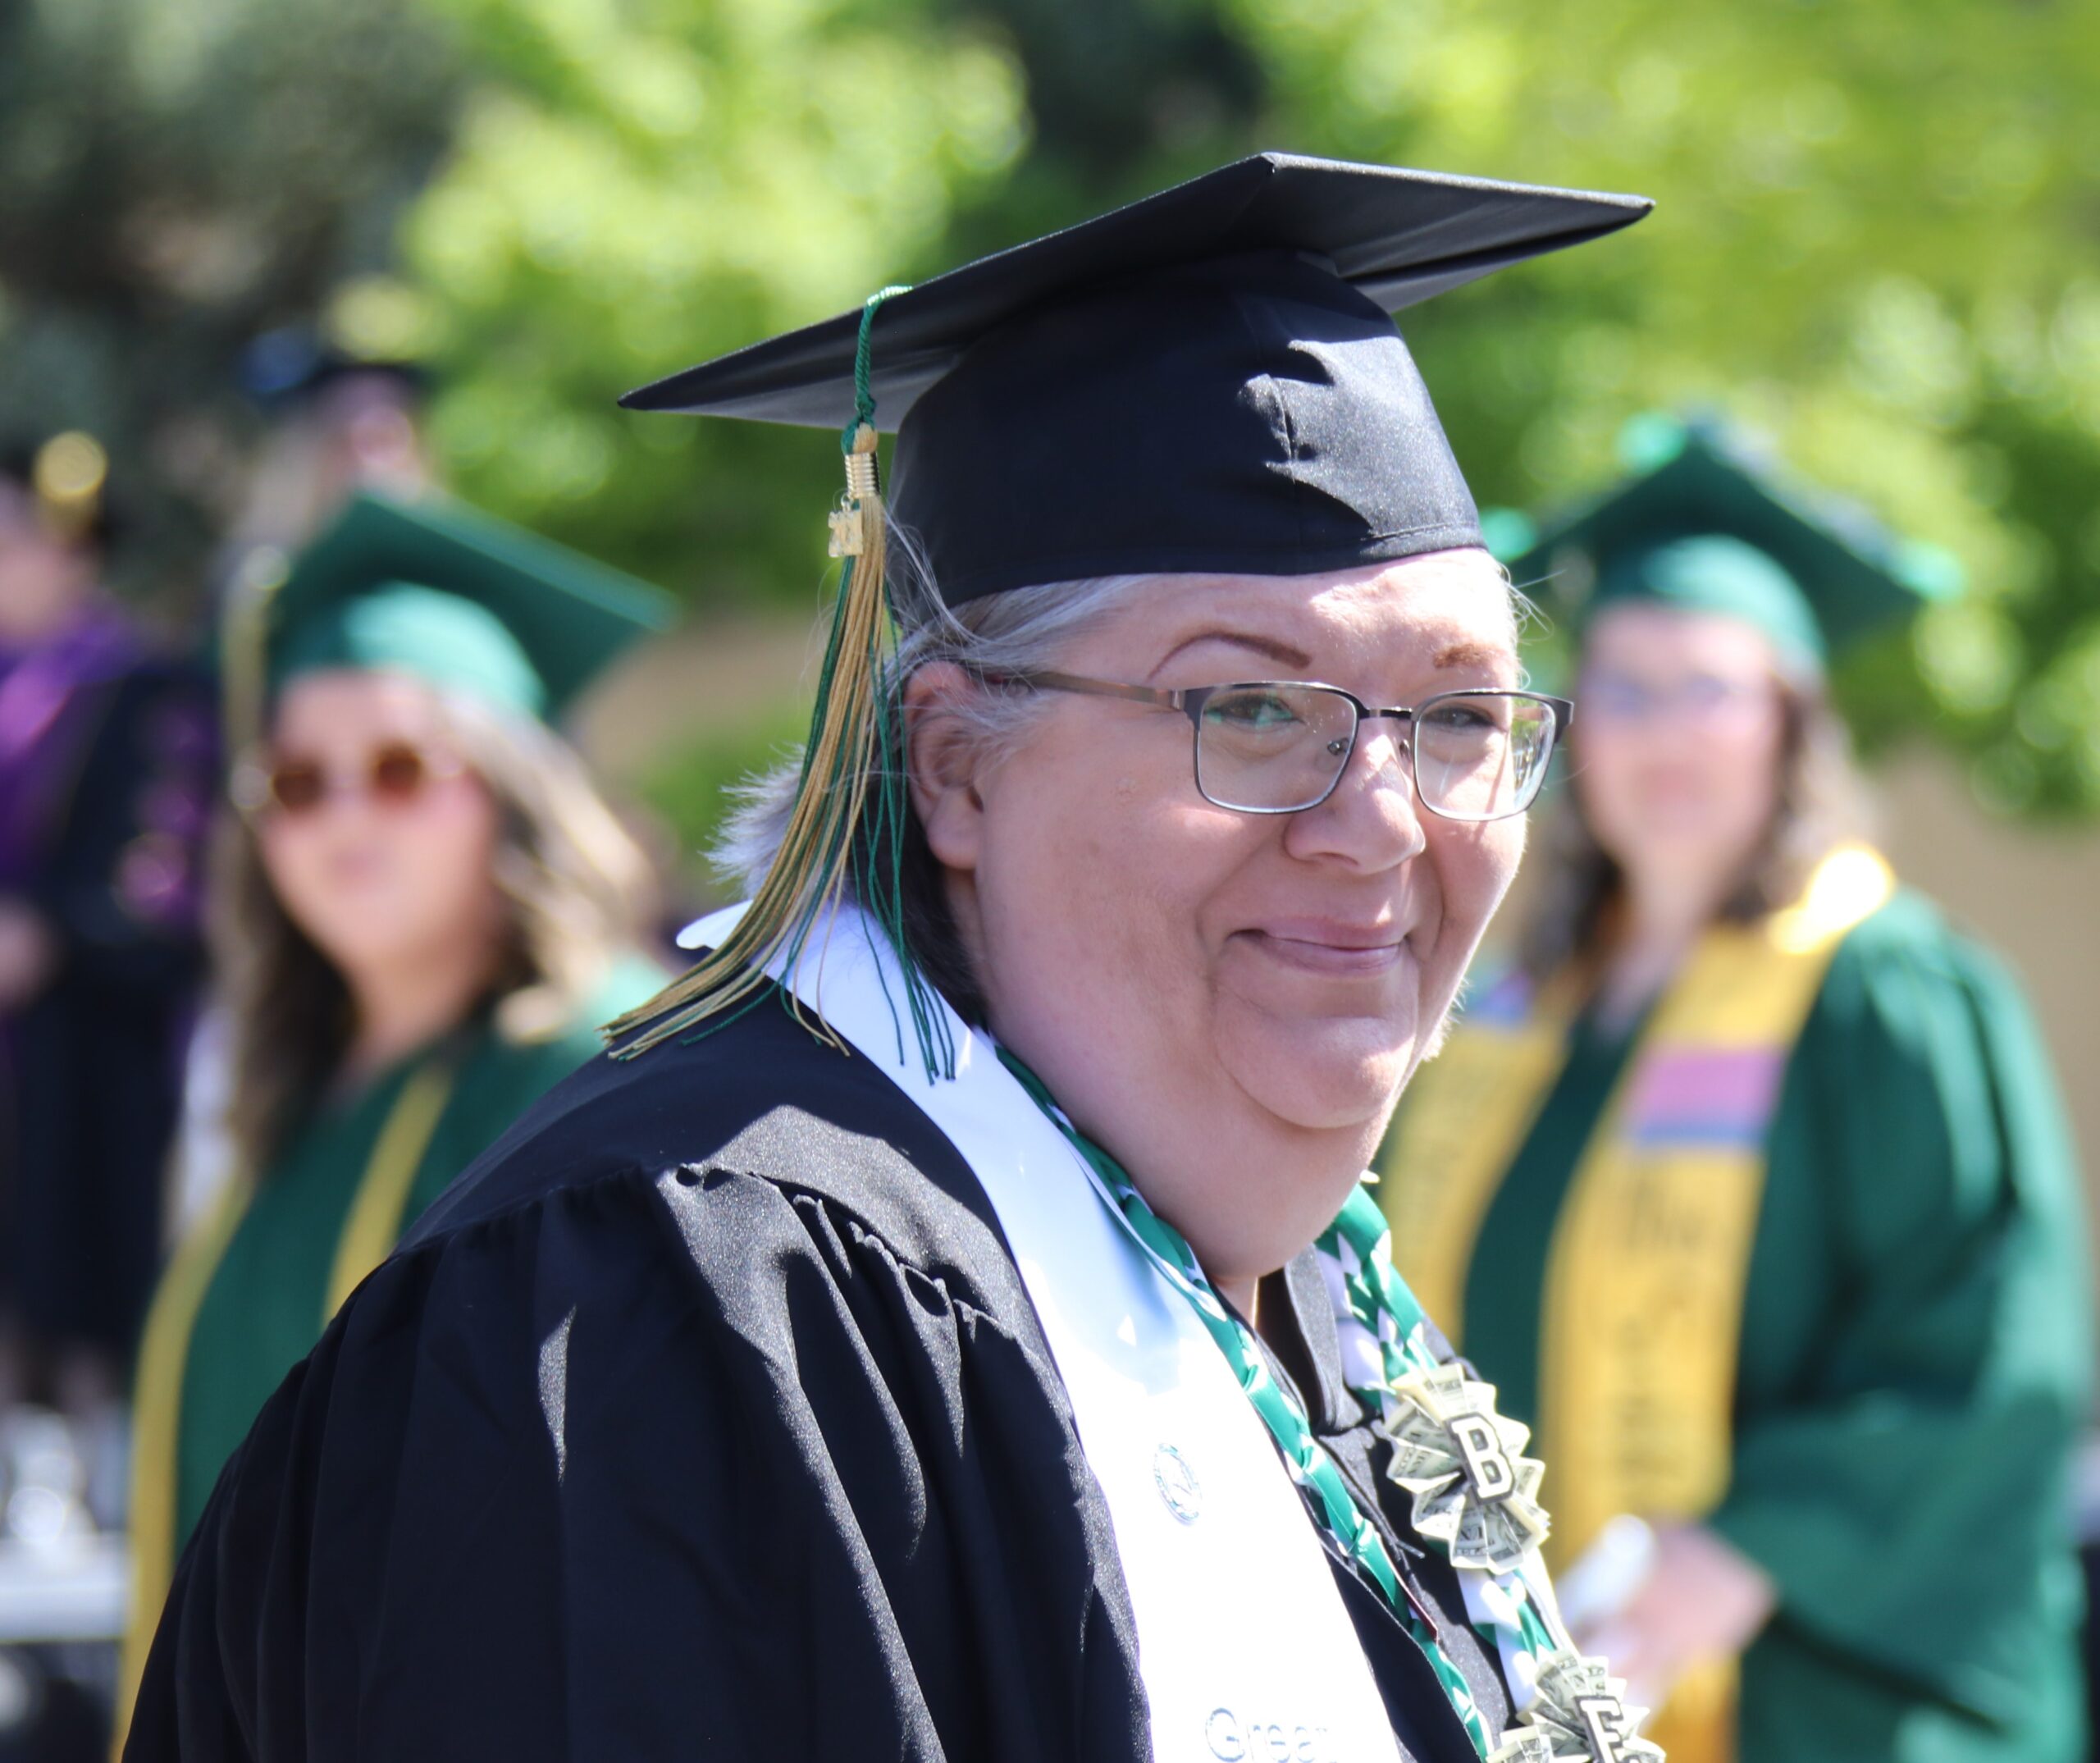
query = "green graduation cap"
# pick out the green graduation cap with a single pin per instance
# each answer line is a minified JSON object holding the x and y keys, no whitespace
{"x":1704,"y":527}
{"x":457,"y":597}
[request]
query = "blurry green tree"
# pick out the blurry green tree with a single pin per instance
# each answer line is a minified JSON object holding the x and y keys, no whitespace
{"x":625,"y":185}
{"x":174,"y":179}
{"x":636,"y":186}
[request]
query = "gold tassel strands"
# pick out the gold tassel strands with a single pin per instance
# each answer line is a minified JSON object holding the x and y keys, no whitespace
{"x":850,"y":813}
{"x":809,"y":872}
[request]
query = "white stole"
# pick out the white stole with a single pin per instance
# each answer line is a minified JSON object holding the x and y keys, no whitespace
{"x":1245,"y":1648}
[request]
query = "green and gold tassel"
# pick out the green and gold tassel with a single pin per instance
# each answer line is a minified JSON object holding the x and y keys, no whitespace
{"x":851,"y":806}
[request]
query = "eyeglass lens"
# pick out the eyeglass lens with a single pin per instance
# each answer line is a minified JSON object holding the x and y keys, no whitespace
{"x":1276,"y":748}
{"x":394,"y":773}
{"x":1609,"y":695}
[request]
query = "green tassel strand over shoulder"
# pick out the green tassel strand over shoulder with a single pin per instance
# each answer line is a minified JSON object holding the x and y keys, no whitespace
{"x":850,"y":808}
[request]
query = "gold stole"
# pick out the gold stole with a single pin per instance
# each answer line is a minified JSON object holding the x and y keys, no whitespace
{"x":1643,"y":1309}
{"x":370,"y":1230}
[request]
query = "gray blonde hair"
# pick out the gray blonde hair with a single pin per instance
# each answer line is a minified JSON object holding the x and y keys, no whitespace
{"x":1021,"y":630}
{"x":577,"y":895}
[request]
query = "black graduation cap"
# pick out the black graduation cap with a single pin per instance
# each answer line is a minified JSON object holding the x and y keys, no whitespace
{"x":1208,"y":380}
{"x":283,"y":367}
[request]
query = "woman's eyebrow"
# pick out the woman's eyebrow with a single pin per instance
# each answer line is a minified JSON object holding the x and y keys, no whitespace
{"x":1468,"y":654}
{"x":1267,"y":646}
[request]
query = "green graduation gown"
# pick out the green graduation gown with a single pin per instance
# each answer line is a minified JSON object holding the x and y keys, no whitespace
{"x":264,"y":1309}
{"x":1913,"y":1365}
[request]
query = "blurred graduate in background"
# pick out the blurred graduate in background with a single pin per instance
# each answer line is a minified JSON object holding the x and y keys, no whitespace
{"x":421,"y":912}
{"x":333,"y":424}
{"x":336,"y":423}
{"x":1749,"y":1188}
{"x":107,"y":770}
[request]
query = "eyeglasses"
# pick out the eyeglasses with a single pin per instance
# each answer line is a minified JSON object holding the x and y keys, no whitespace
{"x":1280,"y":747}
{"x":393,"y":774}
{"x":1701,"y":698}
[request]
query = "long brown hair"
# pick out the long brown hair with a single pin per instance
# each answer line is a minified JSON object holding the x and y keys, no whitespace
{"x":1822,"y":805}
{"x":577,"y":893}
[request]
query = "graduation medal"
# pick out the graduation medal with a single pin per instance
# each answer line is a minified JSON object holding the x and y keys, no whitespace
{"x":1474,"y":1490}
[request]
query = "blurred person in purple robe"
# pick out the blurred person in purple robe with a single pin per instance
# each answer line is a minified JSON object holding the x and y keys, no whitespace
{"x":107,"y":755}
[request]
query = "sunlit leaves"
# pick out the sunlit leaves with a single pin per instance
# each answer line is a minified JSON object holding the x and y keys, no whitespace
{"x":633,"y":188}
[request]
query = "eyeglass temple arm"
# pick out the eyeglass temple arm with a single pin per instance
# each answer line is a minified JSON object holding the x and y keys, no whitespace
{"x":1053,"y":681}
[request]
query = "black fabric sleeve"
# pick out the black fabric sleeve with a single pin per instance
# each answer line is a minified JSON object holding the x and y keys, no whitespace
{"x":654,"y":1466}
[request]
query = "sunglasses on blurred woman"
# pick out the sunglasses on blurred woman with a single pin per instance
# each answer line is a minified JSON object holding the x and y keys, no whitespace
{"x":394,"y":774}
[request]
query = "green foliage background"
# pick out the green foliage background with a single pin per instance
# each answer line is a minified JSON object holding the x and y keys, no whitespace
{"x":1877,"y":242}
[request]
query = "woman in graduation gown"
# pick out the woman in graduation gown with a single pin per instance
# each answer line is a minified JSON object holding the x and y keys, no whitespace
{"x":424,"y":910}
{"x":1750,"y":1190}
{"x":948,"y":1324}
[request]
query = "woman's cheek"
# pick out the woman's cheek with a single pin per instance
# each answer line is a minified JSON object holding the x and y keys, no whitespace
{"x":288,"y":864}
{"x":451,"y":830}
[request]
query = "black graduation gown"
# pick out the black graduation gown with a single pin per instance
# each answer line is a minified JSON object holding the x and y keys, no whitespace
{"x":707,"y":1414}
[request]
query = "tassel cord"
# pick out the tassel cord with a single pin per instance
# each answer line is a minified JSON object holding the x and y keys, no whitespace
{"x":851,"y":811}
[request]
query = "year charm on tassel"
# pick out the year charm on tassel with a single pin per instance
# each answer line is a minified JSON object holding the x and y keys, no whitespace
{"x":849,"y":520}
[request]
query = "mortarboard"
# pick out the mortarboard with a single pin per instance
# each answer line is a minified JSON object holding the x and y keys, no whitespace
{"x":1706,"y":527}
{"x":1207,"y":381}
{"x":457,"y":597}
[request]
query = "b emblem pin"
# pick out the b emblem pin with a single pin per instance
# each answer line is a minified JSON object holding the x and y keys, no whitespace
{"x":1487,"y":1464}
{"x":1177,"y":1484}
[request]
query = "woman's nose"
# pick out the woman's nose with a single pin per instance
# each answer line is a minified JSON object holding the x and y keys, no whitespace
{"x":1373,"y":820}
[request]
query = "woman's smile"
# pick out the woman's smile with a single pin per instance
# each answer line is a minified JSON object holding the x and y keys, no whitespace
{"x":1329,"y":949}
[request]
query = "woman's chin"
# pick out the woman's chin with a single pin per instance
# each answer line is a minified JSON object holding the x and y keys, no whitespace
{"x":355,"y":949}
{"x":1321,"y":1074}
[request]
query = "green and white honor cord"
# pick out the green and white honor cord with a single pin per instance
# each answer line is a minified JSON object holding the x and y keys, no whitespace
{"x":1475,"y":1492}
{"x":1310,"y":1466}
{"x":1476,"y":1496}
{"x":1385,"y":1344}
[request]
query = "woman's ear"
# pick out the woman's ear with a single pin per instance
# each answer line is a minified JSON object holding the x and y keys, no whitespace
{"x":942,"y":752}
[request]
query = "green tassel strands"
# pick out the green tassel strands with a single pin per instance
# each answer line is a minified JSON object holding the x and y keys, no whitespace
{"x":849,"y":812}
